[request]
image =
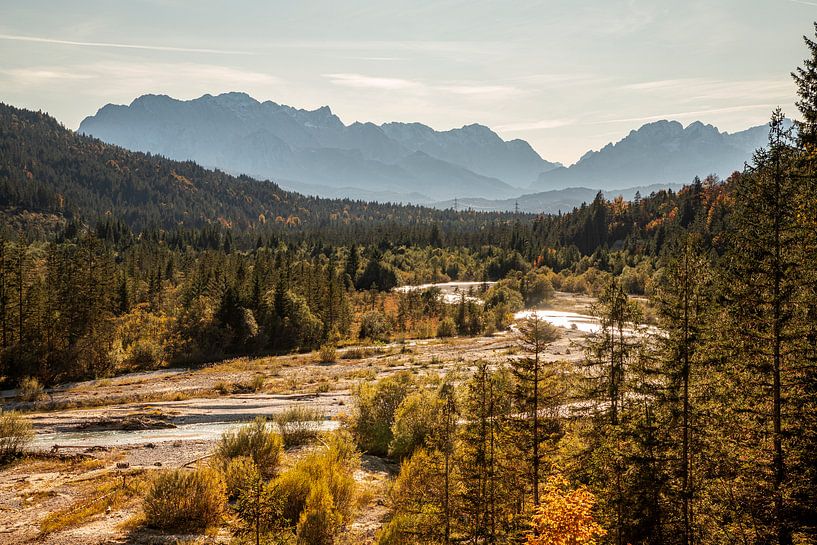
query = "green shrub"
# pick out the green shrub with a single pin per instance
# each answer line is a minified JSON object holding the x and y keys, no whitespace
{"x":359,"y":352}
{"x":30,"y":389}
{"x":320,"y":522}
{"x":294,"y":485}
{"x":502,"y":293}
{"x":537,"y":288}
{"x":255,"y":440}
{"x":398,"y":531}
{"x":375,"y":406}
{"x":374,"y":325}
{"x":447,"y":328}
{"x":298,"y":425}
{"x":327,"y":354}
{"x":414,"y":421}
{"x":181,"y":500}
{"x":15,"y":434}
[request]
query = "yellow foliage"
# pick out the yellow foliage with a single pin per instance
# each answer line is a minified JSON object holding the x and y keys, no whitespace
{"x":565,"y":516}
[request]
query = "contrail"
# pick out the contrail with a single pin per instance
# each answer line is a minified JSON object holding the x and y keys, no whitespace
{"x":121,"y":46}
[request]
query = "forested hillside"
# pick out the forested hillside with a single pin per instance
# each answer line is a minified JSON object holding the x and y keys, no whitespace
{"x":47,"y":168}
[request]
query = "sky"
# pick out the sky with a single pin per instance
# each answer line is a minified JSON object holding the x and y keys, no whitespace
{"x":565,"y":75}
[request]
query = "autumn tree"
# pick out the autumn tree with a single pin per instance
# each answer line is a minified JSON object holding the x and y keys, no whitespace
{"x":565,"y":516}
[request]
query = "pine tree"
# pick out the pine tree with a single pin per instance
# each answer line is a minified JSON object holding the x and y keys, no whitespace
{"x":806,"y":79}
{"x":763,"y":279}
{"x":610,"y":352}
{"x":537,"y":388}
{"x":684,"y":305}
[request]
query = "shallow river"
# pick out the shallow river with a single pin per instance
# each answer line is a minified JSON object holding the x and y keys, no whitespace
{"x":452,"y":292}
{"x":185,"y":432}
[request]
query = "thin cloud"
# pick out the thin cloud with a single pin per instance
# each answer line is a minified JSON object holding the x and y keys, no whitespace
{"x":55,"y":41}
{"x":138,"y":78}
{"x":689,"y":89}
{"x":682,"y":115}
{"x":536,"y":125}
{"x":28,"y":76}
{"x":465,"y":89}
{"x":495,"y":91}
{"x":804,"y":2}
{"x":360,"y":81}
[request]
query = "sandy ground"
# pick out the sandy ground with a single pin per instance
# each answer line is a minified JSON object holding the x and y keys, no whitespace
{"x":192,"y":407}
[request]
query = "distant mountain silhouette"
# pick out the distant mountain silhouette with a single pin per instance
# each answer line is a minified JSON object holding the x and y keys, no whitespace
{"x":662,"y":152}
{"x":314,"y":148}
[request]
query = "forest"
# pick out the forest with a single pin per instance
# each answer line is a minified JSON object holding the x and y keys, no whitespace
{"x":692,"y":418}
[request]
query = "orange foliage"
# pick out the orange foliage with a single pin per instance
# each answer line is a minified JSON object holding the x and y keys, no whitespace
{"x":564,"y":517}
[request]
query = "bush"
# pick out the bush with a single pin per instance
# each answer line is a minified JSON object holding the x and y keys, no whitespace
{"x":257,"y":383}
{"x":504,"y":294}
{"x":30,"y":389}
{"x":334,"y":466}
{"x":145,"y":354}
{"x":536,"y":289}
{"x":241,"y":474}
{"x":319,"y":523}
{"x":15,"y":434}
{"x":375,"y":326}
{"x":182,"y":500}
{"x":374,"y":411}
{"x":414,"y":421}
{"x":298,"y":425}
{"x":327,"y":354}
{"x":254,"y":440}
{"x":447,"y":328}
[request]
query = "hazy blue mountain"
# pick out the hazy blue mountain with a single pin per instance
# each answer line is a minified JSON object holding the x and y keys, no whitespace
{"x":659,"y":153}
{"x":475,"y":147}
{"x":315,"y":148}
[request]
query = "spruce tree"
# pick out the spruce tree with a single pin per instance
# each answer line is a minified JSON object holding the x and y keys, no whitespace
{"x":537,"y":389}
{"x":763,"y":283}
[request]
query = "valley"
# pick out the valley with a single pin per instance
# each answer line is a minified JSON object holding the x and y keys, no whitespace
{"x":82,"y":429}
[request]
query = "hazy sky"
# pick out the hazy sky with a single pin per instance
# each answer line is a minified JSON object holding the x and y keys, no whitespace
{"x":566,"y":75}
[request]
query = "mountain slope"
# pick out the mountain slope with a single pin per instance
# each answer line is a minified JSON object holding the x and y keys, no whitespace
{"x":237,"y":133}
{"x":659,"y":153}
{"x":47,"y":169}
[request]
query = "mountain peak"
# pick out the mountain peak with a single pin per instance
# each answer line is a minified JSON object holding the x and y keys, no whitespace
{"x":662,"y":151}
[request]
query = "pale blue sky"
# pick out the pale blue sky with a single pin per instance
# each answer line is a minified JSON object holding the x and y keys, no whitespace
{"x":566,"y":75}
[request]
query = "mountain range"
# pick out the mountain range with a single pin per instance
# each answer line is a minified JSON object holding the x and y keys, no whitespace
{"x":314,"y":152}
{"x":303,"y":149}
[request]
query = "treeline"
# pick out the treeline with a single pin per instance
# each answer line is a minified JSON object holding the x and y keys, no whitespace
{"x":79,"y":306}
